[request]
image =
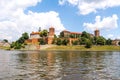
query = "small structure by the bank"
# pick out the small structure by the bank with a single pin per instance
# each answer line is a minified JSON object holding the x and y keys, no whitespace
{"x":115,"y":42}
{"x":4,"y":44}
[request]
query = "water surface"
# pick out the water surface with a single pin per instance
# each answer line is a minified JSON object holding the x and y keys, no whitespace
{"x":59,"y":65}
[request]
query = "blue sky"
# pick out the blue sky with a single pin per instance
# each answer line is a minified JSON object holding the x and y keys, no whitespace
{"x":17,"y":16}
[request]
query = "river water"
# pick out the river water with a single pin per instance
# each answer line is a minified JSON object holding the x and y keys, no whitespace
{"x":59,"y":65}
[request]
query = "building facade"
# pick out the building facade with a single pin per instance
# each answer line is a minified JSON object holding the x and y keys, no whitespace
{"x":35,"y":37}
{"x":68,"y":34}
{"x":115,"y":42}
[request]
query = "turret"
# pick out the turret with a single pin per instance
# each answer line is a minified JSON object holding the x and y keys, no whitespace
{"x":97,"y":33}
{"x":51,"y":32}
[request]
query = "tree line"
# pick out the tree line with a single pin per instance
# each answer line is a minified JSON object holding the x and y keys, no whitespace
{"x":83,"y":39}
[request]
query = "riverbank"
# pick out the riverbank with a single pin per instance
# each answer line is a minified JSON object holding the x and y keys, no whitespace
{"x":82,"y":48}
{"x":74,"y":48}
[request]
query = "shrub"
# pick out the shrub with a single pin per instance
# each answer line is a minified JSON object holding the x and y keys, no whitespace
{"x":119,"y":43}
{"x":59,"y":42}
{"x":88,"y":44}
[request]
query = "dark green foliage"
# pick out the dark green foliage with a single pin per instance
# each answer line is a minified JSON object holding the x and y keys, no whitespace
{"x":61,"y":35}
{"x":16,"y":45}
{"x":95,"y":40}
{"x":20,"y":42}
{"x":5,"y":40}
{"x":85,"y":35}
{"x":88,"y":44}
{"x":44,"y":33}
{"x":59,"y":41}
{"x":12,"y":45}
{"x":25,"y":35}
{"x":76,"y":42}
{"x":42,"y":41}
{"x":23,"y":38}
{"x":119,"y":43}
{"x":100,"y":40}
{"x":109,"y":42}
{"x":55,"y":36}
{"x":65,"y":42}
{"x":83,"y":41}
{"x":72,"y":36}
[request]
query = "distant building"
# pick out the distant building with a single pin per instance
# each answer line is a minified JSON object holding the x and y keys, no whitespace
{"x":97,"y":33}
{"x":4,"y":44}
{"x":68,"y":34}
{"x":115,"y":42}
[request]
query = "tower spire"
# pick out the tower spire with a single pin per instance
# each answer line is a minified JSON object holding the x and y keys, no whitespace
{"x":39,"y":29}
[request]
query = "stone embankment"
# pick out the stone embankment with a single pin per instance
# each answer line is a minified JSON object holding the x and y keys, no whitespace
{"x":37,"y":47}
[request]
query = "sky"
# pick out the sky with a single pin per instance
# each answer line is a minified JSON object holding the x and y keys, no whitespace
{"x":18,"y":16}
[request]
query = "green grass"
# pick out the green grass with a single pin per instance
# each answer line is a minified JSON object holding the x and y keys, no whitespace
{"x":5,"y":48}
{"x":82,"y":48}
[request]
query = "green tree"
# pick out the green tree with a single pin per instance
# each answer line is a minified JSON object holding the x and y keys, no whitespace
{"x":44,"y":33}
{"x":54,"y":40}
{"x":88,"y":44}
{"x":17,"y":45}
{"x":72,"y":36}
{"x":55,"y":36}
{"x":95,"y":40}
{"x":119,"y":43}
{"x":59,"y":41}
{"x":23,"y":38}
{"x":42,"y":41}
{"x":61,"y":35}
{"x":65,"y":41}
{"x":5,"y":40}
{"x":83,"y":40}
{"x":100,"y":40}
{"x":76,"y":42}
{"x":12,"y":45}
{"x":85,"y":35}
{"x":25,"y":35}
{"x":20,"y":42}
{"x":108,"y":42}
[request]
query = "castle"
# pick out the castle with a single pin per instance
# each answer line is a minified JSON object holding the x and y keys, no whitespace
{"x":35,"y":37}
{"x":72,"y":36}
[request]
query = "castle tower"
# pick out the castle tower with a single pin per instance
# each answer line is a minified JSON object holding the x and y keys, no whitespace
{"x":51,"y":35}
{"x":97,"y":33}
{"x":39,"y":29}
{"x":51,"y":32}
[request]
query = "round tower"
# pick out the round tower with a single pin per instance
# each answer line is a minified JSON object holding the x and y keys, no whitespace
{"x":51,"y":35}
{"x":51,"y":32}
{"x":97,"y":33}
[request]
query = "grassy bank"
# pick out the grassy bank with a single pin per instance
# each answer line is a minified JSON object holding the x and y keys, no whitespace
{"x":82,"y":48}
{"x":5,"y":48}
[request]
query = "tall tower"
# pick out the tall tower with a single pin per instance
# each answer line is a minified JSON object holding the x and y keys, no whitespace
{"x":51,"y":35}
{"x":39,"y":29}
{"x":51,"y":32}
{"x":97,"y":33}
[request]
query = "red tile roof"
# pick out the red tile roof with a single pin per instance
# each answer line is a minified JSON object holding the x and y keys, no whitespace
{"x":35,"y":33}
{"x":75,"y":33}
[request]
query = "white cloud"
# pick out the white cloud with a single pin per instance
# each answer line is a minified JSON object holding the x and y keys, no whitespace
{"x":88,"y":6}
{"x":118,"y":37}
{"x":73,"y":2}
{"x":61,"y":2}
{"x":111,"y":36}
{"x":14,"y":21}
{"x":106,"y":23}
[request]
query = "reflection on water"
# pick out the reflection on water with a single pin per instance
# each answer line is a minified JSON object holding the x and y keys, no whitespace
{"x":59,"y":65}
